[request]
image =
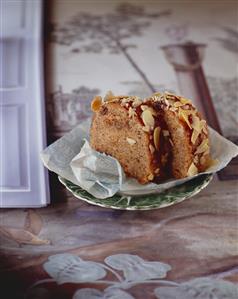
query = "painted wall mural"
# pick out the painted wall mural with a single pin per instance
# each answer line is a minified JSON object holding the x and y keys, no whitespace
{"x":93,"y":33}
{"x":65,"y":110}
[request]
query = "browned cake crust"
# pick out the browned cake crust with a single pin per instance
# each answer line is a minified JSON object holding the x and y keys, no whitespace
{"x":155,"y":138}
{"x":116,"y":134}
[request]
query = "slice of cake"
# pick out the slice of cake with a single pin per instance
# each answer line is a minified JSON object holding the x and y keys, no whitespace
{"x":154,"y":139}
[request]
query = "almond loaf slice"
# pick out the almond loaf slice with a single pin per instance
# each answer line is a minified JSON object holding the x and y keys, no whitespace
{"x":153,"y":139}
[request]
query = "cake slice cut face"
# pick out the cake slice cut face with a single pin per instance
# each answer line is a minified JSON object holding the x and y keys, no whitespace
{"x":154,"y":138}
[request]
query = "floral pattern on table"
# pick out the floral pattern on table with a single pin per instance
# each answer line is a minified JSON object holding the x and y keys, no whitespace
{"x":69,"y":268}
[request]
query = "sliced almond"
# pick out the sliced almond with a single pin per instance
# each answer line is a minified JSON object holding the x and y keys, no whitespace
{"x":156,"y":137}
{"x":131,"y":112}
{"x":152,"y":149}
{"x":178,"y":104}
{"x":130,"y":141}
{"x":148,"y":118}
{"x":196,"y":123}
{"x":173,"y":109}
{"x":166,"y":102}
{"x":171,"y":141}
{"x":121,"y":96}
{"x":170,"y":95}
{"x":155,"y":98}
{"x":96,"y":103}
{"x":206,"y":152}
{"x":185,"y":101}
{"x":145,"y":107}
{"x":136,"y":103}
{"x":186,"y":107}
{"x":109,"y":96}
{"x":192,"y":170}
{"x":194,"y":136}
{"x":146,"y":128}
{"x":203,"y":124}
{"x":150,"y":177}
{"x":165,"y":133}
{"x":196,"y":159}
{"x":157,"y":94}
{"x":203,"y":147}
{"x":184,"y":114}
{"x":153,"y":112}
{"x":157,"y":170}
{"x":125,"y":100}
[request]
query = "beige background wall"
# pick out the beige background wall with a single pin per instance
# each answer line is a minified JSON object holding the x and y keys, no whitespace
{"x":211,"y":22}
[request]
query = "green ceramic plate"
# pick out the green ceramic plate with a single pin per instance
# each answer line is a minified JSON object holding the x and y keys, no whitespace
{"x":143,"y":202}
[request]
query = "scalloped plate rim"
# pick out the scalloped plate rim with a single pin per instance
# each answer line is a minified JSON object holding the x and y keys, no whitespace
{"x":196,"y":190}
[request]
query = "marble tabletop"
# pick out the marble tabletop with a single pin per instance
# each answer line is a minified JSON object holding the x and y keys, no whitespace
{"x":74,"y":250}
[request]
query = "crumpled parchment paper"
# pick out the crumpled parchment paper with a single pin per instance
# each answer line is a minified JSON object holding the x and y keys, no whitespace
{"x":72,"y":158}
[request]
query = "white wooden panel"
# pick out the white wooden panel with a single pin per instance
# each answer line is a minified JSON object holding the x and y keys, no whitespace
{"x":13,"y":152}
{"x":14,"y":13}
{"x":24,"y":181}
{"x":13,"y":64}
